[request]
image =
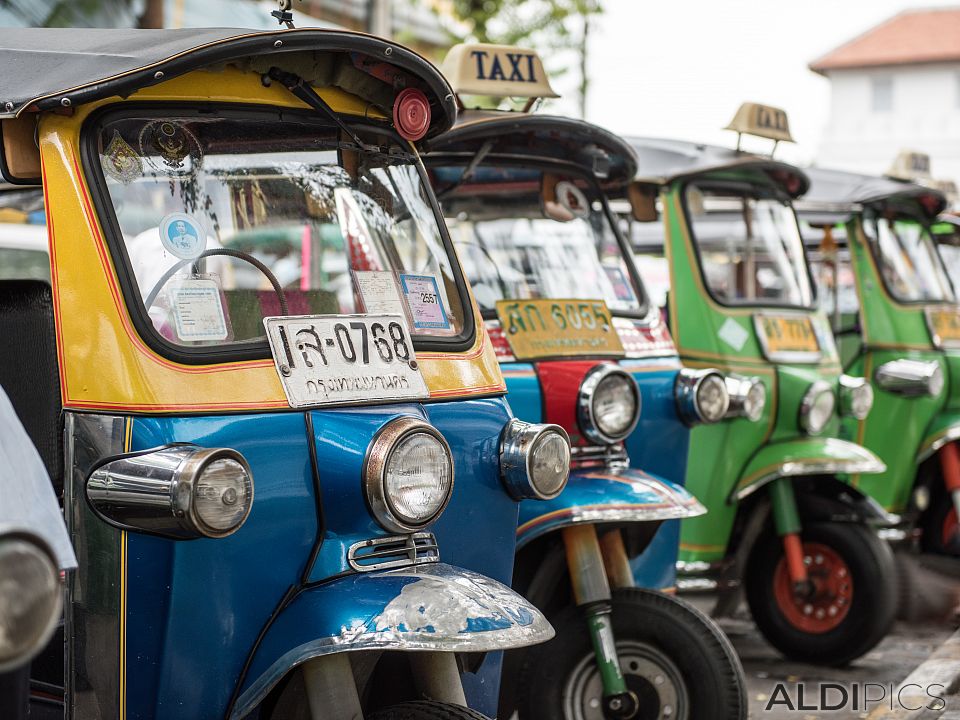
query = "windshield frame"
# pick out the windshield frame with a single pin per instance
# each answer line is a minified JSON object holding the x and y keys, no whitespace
{"x":880,"y":262}
{"x":446,"y":159}
{"x":254,"y":349}
{"x":755,"y":192}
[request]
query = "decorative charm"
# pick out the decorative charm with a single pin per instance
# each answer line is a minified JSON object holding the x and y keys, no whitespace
{"x":177,"y":147}
{"x":120,"y":161}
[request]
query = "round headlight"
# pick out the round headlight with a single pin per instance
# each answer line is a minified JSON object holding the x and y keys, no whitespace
{"x":701,"y":396}
{"x":608,"y":405}
{"x":816,"y":408}
{"x":223,"y":495}
{"x":30,"y":599}
{"x":534,"y":459}
{"x":755,"y":400}
{"x":936,"y":381}
{"x":856,"y":396}
{"x":408,"y":475}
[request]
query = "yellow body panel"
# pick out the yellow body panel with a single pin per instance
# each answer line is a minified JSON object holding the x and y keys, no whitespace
{"x":104,"y":364}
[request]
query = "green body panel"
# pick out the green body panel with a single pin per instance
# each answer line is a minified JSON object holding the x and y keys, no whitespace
{"x":943,"y":425}
{"x":731,"y":447}
{"x":952,"y":359}
{"x":897,"y":425}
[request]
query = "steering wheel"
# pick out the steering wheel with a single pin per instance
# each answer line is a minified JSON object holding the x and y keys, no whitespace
{"x":152,"y":295}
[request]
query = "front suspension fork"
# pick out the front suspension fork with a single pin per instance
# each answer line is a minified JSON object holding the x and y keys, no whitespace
{"x":591,"y":591}
{"x":786,"y":521}
{"x":950,"y":465}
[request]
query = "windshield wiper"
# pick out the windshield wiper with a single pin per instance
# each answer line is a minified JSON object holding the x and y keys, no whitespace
{"x":471,"y":168}
{"x":304,"y":91}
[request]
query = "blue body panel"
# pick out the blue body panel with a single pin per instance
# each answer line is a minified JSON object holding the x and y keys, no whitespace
{"x":194,"y":609}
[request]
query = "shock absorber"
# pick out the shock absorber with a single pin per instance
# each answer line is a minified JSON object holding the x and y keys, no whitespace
{"x":591,"y":592}
{"x":786,"y":520}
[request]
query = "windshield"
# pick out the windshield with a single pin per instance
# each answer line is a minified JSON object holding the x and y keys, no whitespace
{"x":908,"y":261}
{"x":227,"y":221}
{"x":750,"y":249}
{"x":950,"y":254}
{"x":523,"y":233}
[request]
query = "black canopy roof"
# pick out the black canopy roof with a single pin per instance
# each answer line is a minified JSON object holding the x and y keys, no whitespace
{"x":49,"y":68}
{"x":534,"y":136}
{"x":835,"y":194}
{"x":662,"y":161}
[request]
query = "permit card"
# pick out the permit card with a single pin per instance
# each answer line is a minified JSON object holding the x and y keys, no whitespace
{"x":344,"y":359}
{"x":559,"y":328}
{"x":425,"y":302}
{"x":378,"y":292}
{"x":944,"y":326}
{"x":198,"y":311}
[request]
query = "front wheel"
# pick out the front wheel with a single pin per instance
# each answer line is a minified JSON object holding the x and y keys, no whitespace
{"x":676,"y":660}
{"x":849,"y":605}
{"x":427,"y":710}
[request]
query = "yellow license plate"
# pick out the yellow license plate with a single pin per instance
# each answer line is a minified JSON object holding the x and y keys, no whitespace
{"x":944,"y":326}
{"x":788,"y":335}
{"x":538,"y":329}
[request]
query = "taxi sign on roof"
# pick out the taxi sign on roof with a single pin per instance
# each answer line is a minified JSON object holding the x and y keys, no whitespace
{"x":762,"y":121}
{"x":910,"y":165}
{"x":497,"y":71}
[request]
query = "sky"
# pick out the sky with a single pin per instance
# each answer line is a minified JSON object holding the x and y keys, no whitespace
{"x":680,"y":68}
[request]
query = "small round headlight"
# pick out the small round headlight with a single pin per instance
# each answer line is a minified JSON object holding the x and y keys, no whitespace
{"x":608,"y":404}
{"x":30,"y":599}
{"x":816,"y":408}
{"x":408,"y":475}
{"x":534,"y":460}
{"x":755,"y":400}
{"x":856,"y":396}
{"x":936,"y":381}
{"x":222,"y":495}
{"x":701,"y":396}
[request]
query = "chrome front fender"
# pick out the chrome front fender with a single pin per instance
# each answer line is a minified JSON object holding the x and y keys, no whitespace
{"x":431,"y":607}
{"x":620,"y":495}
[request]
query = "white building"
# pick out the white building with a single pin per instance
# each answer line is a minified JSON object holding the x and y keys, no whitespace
{"x":895,"y":87}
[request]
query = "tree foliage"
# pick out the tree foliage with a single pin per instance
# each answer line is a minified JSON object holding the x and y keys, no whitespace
{"x":551,"y":24}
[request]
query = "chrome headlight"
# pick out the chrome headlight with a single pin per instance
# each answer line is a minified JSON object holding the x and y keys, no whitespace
{"x":910,"y":377}
{"x":30,"y":598}
{"x":701,"y":396}
{"x":856,"y":396}
{"x":534,"y":459}
{"x":748,"y":397}
{"x":816,"y":408}
{"x":408,"y":475}
{"x":180,"y":491}
{"x":608,"y":404}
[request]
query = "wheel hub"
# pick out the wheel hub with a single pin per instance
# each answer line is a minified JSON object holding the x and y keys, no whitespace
{"x":821,"y":604}
{"x":650,"y":675}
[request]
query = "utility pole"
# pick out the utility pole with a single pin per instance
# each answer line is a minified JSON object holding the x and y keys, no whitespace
{"x":152,"y":14}
{"x":380,"y":18}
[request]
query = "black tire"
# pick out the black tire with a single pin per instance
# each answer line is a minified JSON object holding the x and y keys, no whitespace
{"x":934,"y":526}
{"x":648,"y":627}
{"x":863,"y":618}
{"x":426,"y":710}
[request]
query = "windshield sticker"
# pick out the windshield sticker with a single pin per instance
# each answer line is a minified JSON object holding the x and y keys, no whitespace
{"x":378,"y":292}
{"x":733,"y":334}
{"x":621,"y":287}
{"x":120,"y":161}
{"x":198,"y":311}
{"x":183,"y":236}
{"x":572,"y":199}
{"x":425,"y":302}
{"x":178,"y":148}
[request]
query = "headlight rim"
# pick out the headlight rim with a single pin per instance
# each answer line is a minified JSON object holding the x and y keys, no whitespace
{"x":686,"y":394}
{"x":586,"y":393}
{"x":517,"y":441}
{"x":849,"y":386}
{"x":381,"y":448}
{"x":43,"y":638}
{"x":816,"y":388}
{"x":739,"y":388}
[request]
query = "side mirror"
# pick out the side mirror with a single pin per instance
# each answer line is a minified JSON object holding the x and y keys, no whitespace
{"x":643,"y":202}
{"x":21,"y":157}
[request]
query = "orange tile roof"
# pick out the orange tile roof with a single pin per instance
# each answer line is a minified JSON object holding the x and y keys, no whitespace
{"x":914,"y":36}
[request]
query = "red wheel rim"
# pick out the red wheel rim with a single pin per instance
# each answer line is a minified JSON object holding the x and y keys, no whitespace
{"x":950,"y":529}
{"x":826,"y":606}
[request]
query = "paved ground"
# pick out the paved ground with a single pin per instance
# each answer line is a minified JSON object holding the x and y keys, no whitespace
{"x":888,"y":664}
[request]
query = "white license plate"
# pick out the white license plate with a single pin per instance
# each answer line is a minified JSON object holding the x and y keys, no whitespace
{"x":344,"y":359}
